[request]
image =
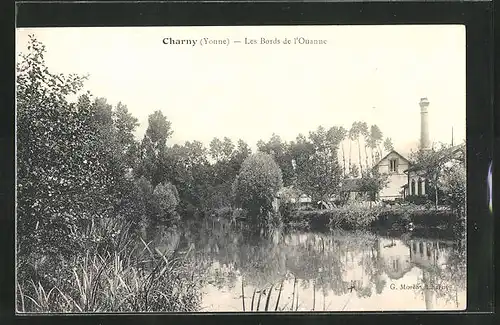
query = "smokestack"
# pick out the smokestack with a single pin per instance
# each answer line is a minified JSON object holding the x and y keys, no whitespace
{"x":425,"y":143}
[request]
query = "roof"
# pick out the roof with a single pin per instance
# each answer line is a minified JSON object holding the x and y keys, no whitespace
{"x":392,"y":151}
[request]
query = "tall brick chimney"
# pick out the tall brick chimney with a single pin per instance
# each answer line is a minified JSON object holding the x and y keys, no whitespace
{"x":425,"y":142}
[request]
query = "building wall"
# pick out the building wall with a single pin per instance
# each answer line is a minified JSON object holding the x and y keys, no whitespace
{"x":414,"y":190}
{"x":396,"y":179}
{"x":393,"y":189}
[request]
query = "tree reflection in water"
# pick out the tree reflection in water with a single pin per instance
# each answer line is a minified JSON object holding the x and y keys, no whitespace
{"x":356,"y":269}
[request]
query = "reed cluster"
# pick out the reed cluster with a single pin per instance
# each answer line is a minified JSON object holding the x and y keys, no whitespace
{"x":261,"y":298}
{"x":134,"y":278}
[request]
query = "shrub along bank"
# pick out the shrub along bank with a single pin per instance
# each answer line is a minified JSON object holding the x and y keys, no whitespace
{"x":356,"y":217}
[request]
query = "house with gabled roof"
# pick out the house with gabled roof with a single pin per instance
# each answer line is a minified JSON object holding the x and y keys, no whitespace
{"x":406,"y":178}
{"x":393,"y":164}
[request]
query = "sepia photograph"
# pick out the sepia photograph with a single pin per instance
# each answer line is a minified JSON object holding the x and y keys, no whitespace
{"x":241,"y":169}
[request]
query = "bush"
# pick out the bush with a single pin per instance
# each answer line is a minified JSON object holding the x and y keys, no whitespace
{"x":165,"y":202}
{"x":417,"y":199}
{"x":359,"y":217}
{"x":354,"y":217}
{"x":347,"y":217}
{"x":454,"y":187}
{"x":256,"y":186}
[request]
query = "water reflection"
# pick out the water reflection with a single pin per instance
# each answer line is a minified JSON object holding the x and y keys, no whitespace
{"x":335,"y":271}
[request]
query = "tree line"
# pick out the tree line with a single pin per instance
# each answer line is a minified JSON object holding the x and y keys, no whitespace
{"x":78,"y":161}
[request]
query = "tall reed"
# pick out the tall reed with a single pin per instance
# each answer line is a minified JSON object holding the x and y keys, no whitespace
{"x":131,"y":278}
{"x":243,"y":293}
{"x":293,"y":294}
{"x":268,"y":297}
{"x":279,"y":296}
{"x":262,"y":292}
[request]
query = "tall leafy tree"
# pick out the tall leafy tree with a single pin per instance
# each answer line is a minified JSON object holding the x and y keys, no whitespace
{"x":432,"y":164}
{"x":159,"y":131}
{"x":189,"y":170}
{"x":216,"y":149}
{"x":153,"y":148}
{"x":222,"y":153}
{"x":335,"y":136}
{"x":108,"y":144}
{"x":321,"y":178}
{"x":242,"y":152}
{"x":364,"y":132}
{"x":280,"y":152}
{"x":343,"y":136}
{"x":125,"y":126}
{"x":375,"y":140}
{"x":453,"y":183}
{"x":61,"y":178}
{"x":317,"y":169}
{"x":301,"y":151}
{"x":227,"y":160}
{"x":358,"y":129}
{"x":354,"y":133}
{"x":388,"y":146}
{"x":372,"y":182}
{"x":228,"y":148}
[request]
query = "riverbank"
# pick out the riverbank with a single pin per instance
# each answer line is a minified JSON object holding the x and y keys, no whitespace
{"x":356,"y":217}
{"x":359,"y":217}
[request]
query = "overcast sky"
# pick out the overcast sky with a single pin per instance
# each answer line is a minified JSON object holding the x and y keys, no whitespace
{"x":375,"y":74}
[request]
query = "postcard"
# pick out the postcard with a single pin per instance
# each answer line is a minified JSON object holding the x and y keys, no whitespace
{"x":241,"y":169}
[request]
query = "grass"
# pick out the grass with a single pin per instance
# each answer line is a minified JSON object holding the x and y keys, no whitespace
{"x":133,"y":279}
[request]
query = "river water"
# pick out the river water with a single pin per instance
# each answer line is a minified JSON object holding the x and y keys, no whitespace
{"x":324,"y":271}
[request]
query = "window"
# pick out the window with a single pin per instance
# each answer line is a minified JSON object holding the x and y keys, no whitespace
{"x":393,"y":165}
{"x":395,"y":265}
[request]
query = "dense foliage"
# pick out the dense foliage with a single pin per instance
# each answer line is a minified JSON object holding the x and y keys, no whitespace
{"x":362,"y":217}
{"x":75,"y":163}
{"x":444,"y":168}
{"x":256,"y":186}
{"x":372,"y":183}
{"x":61,"y":179}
